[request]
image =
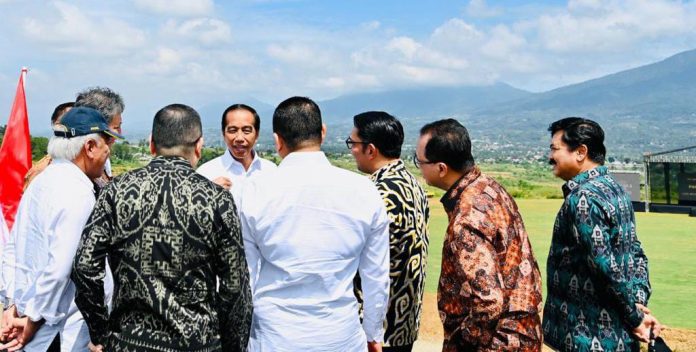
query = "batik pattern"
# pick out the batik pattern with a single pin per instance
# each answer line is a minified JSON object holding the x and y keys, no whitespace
{"x":169,"y":234}
{"x":408,"y":211}
{"x":596,"y":269}
{"x":489,"y":293}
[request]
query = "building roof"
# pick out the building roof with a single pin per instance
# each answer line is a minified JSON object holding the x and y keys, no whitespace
{"x":685,"y":155}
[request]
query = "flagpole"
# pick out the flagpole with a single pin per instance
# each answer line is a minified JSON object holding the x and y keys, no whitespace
{"x":24,"y":78}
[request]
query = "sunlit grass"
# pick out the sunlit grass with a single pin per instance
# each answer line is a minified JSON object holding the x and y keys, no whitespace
{"x":669,"y":241}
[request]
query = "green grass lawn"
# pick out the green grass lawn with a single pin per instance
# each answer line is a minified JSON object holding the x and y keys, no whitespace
{"x":669,"y":241}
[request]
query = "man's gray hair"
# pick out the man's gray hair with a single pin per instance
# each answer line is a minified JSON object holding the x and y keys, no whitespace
{"x":69,"y":148}
{"x":105,"y":100}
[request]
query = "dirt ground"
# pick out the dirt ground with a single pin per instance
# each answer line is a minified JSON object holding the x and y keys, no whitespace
{"x":430,"y":336}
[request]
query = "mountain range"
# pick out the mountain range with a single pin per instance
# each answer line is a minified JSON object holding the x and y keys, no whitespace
{"x":648,"y":108}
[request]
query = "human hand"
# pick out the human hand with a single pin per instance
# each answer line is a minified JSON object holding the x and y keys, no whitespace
{"x":23,"y":330}
{"x":5,"y":322}
{"x":373,"y":346}
{"x":643,"y":308}
{"x":642,"y":331}
{"x":95,"y":348}
{"x":223,"y":181}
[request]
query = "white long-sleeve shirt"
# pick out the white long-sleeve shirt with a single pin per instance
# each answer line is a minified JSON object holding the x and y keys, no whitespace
{"x":308,"y":227}
{"x":37,"y":259}
{"x":227,"y":166}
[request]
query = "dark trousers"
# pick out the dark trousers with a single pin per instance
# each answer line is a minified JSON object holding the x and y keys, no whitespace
{"x":406,"y":348}
{"x":55,"y":345}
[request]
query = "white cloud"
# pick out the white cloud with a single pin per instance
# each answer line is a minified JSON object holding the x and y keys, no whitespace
{"x":613,"y":25}
{"x":502,"y":42}
{"x":405,"y":46}
{"x":457,"y":34}
{"x":157,"y":60}
{"x":205,"y":30}
{"x":479,"y":8}
{"x":78,"y":32}
{"x":183,"y":8}
{"x":371,"y":26}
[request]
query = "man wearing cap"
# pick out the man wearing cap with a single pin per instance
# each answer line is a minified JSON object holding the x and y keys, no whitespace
{"x":39,"y":254}
{"x":171,"y":235}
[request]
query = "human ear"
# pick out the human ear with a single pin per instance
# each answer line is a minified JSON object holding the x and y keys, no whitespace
{"x":581,"y":153}
{"x":442,"y":169}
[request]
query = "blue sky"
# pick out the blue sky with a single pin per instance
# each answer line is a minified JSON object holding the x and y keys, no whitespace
{"x":156,"y":52}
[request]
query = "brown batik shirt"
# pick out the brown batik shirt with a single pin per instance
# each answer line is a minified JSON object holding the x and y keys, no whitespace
{"x":490,"y":286}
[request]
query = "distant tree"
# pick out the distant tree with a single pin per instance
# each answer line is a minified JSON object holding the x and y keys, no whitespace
{"x":208,"y":154}
{"x":39,"y":147}
{"x":122,"y":151}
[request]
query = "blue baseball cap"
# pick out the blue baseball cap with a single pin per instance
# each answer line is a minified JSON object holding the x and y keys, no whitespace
{"x":81,"y":121}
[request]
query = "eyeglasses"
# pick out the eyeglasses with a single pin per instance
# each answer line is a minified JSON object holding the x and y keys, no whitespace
{"x":419,"y":162}
{"x":350,"y":143}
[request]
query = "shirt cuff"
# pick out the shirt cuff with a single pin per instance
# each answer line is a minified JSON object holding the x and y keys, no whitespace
{"x":374,"y":332}
{"x":27,"y":309}
{"x":635,"y":318}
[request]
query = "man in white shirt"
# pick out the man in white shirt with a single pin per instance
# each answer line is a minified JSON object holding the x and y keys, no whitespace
{"x":240,"y":130}
{"x":37,"y":259}
{"x":308,"y":227}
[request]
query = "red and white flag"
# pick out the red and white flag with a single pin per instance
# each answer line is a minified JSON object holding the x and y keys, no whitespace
{"x":15,"y":155}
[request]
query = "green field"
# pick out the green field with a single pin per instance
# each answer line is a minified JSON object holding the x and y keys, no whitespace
{"x":669,"y":241}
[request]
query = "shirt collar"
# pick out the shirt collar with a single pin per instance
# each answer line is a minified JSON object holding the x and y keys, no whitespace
{"x":170,"y":161}
{"x":389,"y":168}
{"x":304,"y":158}
{"x":229,"y":161}
{"x":582,"y":178}
{"x":75,"y":172}
{"x":451,"y":197}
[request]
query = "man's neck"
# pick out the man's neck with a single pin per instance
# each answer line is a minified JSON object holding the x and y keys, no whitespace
{"x":246,"y":161}
{"x":450,"y":179}
{"x":304,"y":149}
{"x":587,"y":166}
{"x":381,"y":162}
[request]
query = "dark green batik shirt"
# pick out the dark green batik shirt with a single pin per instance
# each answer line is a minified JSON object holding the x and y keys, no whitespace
{"x":596,"y":270}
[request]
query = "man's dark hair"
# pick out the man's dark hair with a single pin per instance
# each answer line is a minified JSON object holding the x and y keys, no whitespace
{"x":176,"y":126}
{"x":449,"y":143}
{"x":382,"y":130}
{"x":298,"y":121}
{"x":105,"y":100}
{"x":60,"y":111}
{"x":578,"y":131}
{"x":257,"y":120}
